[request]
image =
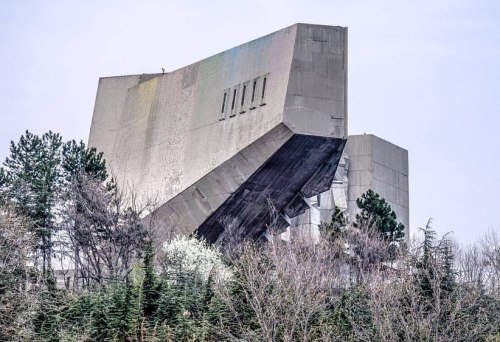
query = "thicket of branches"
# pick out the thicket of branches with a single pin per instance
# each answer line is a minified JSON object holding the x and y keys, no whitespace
{"x":78,"y":263}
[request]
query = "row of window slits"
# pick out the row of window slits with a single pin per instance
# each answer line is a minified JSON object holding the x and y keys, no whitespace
{"x":258,"y":88}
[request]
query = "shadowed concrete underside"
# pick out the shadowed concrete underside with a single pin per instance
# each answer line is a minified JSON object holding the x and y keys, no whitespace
{"x":303,"y":167}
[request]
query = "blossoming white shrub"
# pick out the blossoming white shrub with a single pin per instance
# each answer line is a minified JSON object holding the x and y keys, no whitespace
{"x":190,"y":255}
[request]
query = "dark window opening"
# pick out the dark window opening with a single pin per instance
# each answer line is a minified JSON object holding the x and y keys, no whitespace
{"x":253,"y":90}
{"x":243,"y":95}
{"x":223,"y":102}
{"x":234,"y":99}
{"x":264,"y":87}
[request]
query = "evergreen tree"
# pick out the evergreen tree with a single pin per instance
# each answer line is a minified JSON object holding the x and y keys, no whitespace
{"x":31,"y":180}
{"x":447,"y":281}
{"x":77,"y":159}
{"x":150,"y":293}
{"x":333,"y":230}
{"x":100,"y":320}
{"x":48,"y":317}
{"x":352,"y":316}
{"x":377,"y":213}
{"x":426,"y":265}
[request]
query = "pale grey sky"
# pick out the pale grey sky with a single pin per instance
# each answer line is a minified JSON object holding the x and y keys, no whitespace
{"x":422,"y":74}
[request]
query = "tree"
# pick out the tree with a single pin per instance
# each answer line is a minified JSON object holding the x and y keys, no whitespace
{"x":35,"y":179}
{"x":352,"y":316}
{"x":79,"y":160}
{"x":30,"y":179}
{"x":422,"y":301}
{"x":335,"y":228}
{"x":80,"y":165}
{"x":150,"y":291}
{"x":376,"y":212}
{"x":105,"y":230}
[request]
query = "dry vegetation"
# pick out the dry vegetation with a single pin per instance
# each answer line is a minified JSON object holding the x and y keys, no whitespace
{"x":361,"y":282}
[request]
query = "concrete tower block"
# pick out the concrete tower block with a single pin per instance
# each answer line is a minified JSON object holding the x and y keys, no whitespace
{"x":377,"y":164}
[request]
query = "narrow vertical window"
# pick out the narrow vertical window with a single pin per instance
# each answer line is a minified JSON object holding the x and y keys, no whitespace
{"x":234,"y":99}
{"x":253,"y":90}
{"x":264,"y":88}
{"x":223,"y":103}
{"x":243,"y":96}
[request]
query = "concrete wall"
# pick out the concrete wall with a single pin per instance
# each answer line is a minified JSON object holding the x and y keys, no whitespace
{"x":379,"y":165}
{"x":162,"y":133}
{"x":168,"y":133}
{"x":316,"y":101}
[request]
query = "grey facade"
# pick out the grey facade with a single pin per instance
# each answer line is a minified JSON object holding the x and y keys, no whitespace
{"x":192,"y":137}
{"x":377,"y":164}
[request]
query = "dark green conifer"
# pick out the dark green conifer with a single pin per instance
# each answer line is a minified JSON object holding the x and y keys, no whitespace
{"x":377,"y":213}
{"x":150,"y":284}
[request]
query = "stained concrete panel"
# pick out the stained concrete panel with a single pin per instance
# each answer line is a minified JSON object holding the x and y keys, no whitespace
{"x":316,"y":101}
{"x":109,"y":104}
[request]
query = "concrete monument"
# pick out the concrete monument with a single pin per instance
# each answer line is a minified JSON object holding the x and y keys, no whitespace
{"x":254,"y":136}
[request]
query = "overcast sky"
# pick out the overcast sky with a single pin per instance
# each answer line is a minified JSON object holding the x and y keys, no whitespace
{"x":422,"y":74}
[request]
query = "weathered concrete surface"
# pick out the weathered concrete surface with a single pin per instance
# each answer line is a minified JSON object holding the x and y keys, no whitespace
{"x":190,"y":208}
{"x":316,"y":99}
{"x":379,"y":165}
{"x":162,"y":133}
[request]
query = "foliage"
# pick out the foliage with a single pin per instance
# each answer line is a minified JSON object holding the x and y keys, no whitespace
{"x":279,"y":291}
{"x":333,"y":230}
{"x":347,"y":287}
{"x":150,"y":284}
{"x":188,"y":255}
{"x":352,"y":317}
{"x":30,"y":179}
{"x":79,"y":160}
{"x":376,"y":212}
{"x":35,"y":176}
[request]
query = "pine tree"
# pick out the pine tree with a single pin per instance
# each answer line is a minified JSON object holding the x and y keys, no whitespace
{"x":47,"y":319}
{"x":333,"y":230}
{"x":34,"y":177}
{"x":77,"y":159}
{"x":124,"y":311}
{"x":377,"y":213}
{"x":31,"y":180}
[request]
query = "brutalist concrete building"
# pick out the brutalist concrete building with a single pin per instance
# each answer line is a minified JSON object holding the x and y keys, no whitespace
{"x":253,"y":137}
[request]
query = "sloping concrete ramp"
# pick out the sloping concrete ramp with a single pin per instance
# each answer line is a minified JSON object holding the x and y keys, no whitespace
{"x":303,"y":167}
